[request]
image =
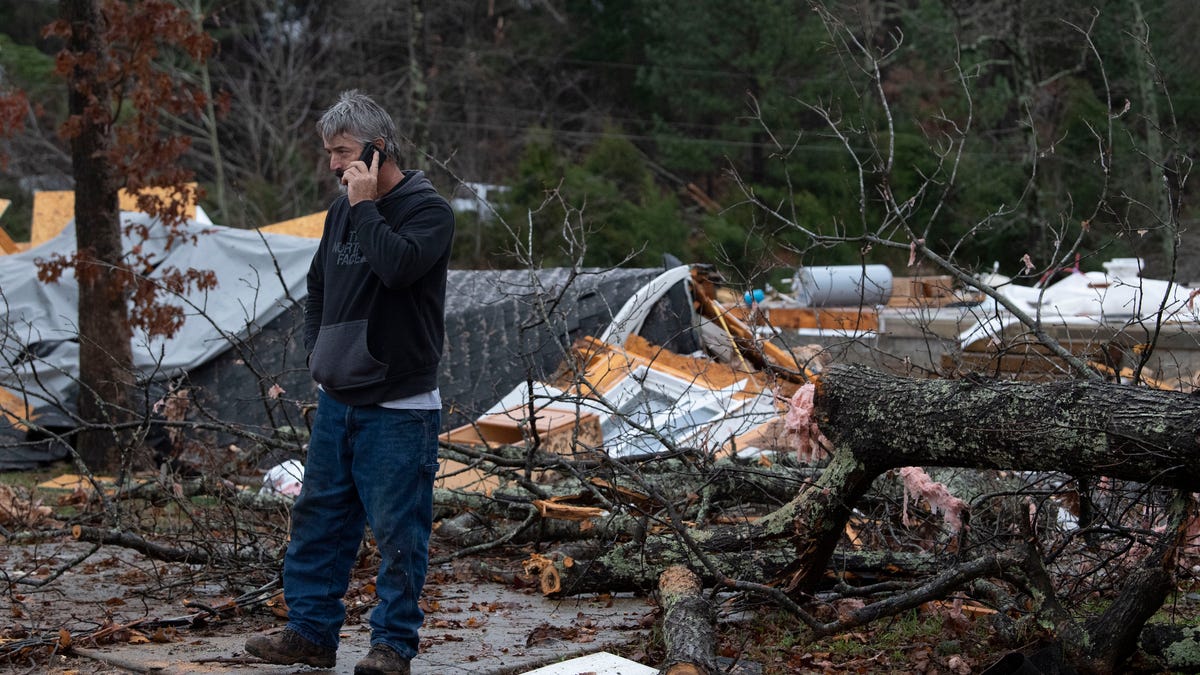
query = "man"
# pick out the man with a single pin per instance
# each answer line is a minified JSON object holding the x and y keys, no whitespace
{"x":373,"y":324}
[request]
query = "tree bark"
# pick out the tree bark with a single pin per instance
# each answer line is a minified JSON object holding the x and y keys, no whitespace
{"x":580,"y":569}
{"x":687,"y":624}
{"x":105,"y":355}
{"x":1091,"y":428}
{"x":879,"y":422}
{"x":635,"y":567}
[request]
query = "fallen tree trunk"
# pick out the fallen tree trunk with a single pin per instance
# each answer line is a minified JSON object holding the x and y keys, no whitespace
{"x":877,"y":422}
{"x":769,"y":485}
{"x":880,"y":422}
{"x":632,"y":567}
{"x":636,"y":567}
{"x":687,"y":624}
{"x":1082,"y":428}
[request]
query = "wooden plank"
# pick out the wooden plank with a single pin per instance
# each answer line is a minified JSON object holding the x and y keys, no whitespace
{"x":839,"y":318}
{"x":7,"y":244}
{"x":559,"y":431}
{"x":454,"y":475}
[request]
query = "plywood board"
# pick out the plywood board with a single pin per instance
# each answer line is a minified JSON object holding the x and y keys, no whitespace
{"x":13,"y":408}
{"x":7,"y":245}
{"x":310,"y":226}
{"x":459,"y":477}
{"x":53,"y":209}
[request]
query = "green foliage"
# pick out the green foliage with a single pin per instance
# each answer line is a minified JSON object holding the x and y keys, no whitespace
{"x":607,"y":202}
{"x":30,"y":70}
{"x":25,"y":65}
{"x":17,"y":217}
{"x":641,"y":97}
{"x":23,"y":20}
{"x":711,"y":65}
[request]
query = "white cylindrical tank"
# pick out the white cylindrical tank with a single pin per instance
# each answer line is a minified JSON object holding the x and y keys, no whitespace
{"x":843,"y":285}
{"x":1126,"y":269}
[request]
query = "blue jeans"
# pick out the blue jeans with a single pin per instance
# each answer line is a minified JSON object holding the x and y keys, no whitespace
{"x":366,"y":464}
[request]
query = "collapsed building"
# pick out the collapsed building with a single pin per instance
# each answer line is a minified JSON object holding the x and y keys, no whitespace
{"x":648,"y":340}
{"x":239,"y":352}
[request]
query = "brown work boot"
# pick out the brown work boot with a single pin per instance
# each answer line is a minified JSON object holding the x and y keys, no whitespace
{"x":287,"y":647}
{"x":382,"y":660}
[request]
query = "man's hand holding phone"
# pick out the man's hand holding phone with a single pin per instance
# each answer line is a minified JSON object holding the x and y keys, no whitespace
{"x":361,"y":178}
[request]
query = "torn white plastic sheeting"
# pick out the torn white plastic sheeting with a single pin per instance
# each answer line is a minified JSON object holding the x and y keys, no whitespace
{"x":600,"y":663}
{"x":285,"y":479}
{"x":1086,"y":299}
{"x":649,"y":402}
{"x":688,"y":414}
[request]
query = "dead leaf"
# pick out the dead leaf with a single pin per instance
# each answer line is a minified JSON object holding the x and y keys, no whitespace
{"x":278,"y":606}
{"x":545,"y":632}
{"x":958,"y":665}
{"x":18,"y":508}
{"x":846,"y":607}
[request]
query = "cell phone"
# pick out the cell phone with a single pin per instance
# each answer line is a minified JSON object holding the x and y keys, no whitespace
{"x":368,"y":151}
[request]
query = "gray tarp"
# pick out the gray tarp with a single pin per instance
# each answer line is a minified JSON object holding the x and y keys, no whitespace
{"x":258,"y":277}
{"x":502,"y":327}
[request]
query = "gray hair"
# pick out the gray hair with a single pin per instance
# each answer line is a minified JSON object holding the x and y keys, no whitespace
{"x":360,"y":117}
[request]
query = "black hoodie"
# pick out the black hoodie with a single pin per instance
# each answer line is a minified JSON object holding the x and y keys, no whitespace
{"x":374,"y":319}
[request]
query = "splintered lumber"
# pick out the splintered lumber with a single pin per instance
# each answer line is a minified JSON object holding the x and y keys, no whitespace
{"x":687,"y":624}
{"x":764,"y":354}
{"x":850,"y":319}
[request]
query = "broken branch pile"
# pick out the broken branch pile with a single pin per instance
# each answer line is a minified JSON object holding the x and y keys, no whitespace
{"x":711,"y":516}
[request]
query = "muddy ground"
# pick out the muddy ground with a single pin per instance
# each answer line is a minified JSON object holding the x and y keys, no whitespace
{"x":119,"y":607}
{"x":59,"y":595}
